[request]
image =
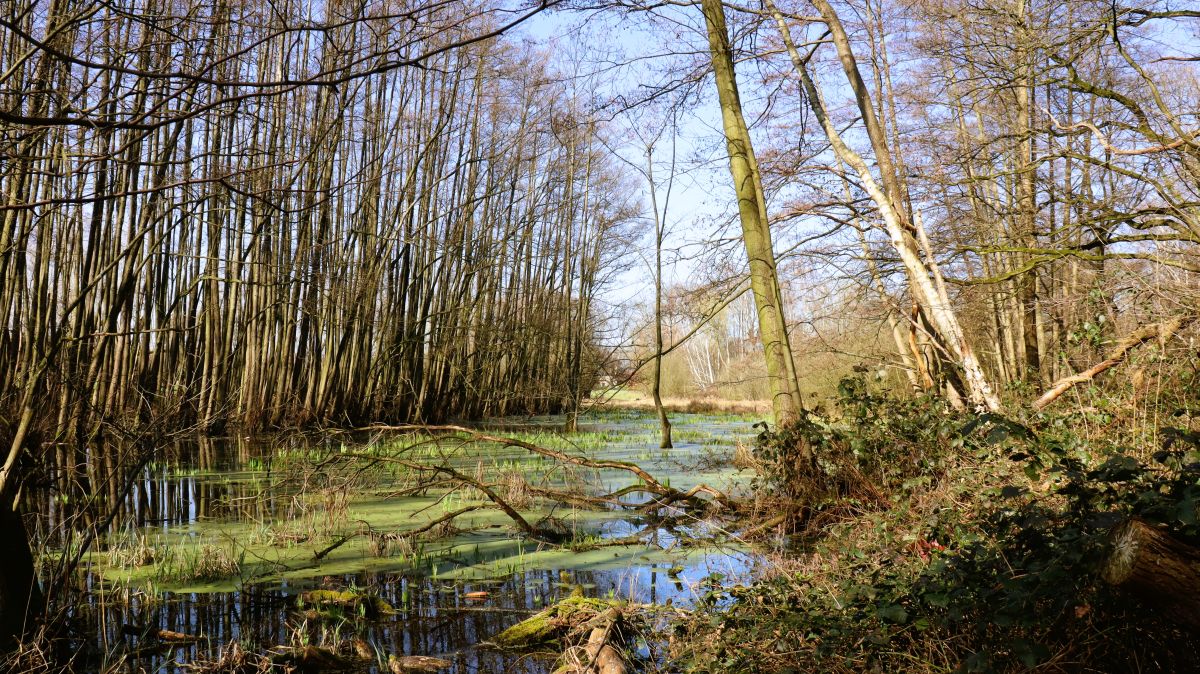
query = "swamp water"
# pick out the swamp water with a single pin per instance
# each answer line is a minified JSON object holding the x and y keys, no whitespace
{"x":228,"y":533}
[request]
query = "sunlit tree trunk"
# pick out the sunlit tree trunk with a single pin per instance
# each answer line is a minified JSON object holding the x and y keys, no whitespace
{"x":887,"y":193}
{"x":756,"y":233}
{"x":664,"y":423}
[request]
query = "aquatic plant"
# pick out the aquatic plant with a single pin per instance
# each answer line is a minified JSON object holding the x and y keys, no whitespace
{"x":132,"y":551}
{"x":200,"y":563}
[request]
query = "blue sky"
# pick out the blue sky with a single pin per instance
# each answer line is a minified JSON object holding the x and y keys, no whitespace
{"x":627,"y":55}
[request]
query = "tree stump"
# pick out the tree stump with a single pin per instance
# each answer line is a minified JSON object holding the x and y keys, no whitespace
{"x":1153,"y":566}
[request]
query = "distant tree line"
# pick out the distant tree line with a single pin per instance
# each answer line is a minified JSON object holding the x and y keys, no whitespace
{"x":241,"y":213}
{"x":1015,"y":184}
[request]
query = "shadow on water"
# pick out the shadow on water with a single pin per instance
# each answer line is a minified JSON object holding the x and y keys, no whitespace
{"x":440,"y":608}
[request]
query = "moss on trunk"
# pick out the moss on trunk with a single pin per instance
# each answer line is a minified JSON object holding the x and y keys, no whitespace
{"x":548,"y":626}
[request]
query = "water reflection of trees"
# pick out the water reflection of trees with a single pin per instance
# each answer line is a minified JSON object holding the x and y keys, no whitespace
{"x":204,"y":478}
{"x":233,"y":479}
{"x":433,"y":618}
{"x":200,"y":478}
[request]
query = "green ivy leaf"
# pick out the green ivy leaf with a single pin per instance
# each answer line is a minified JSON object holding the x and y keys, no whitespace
{"x":894,"y":613}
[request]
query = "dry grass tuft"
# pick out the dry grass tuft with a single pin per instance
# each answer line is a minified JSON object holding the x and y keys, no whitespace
{"x":516,"y":489}
{"x":200,"y":564}
{"x":335,"y":508}
{"x":233,"y":660}
{"x":31,"y":657}
{"x":215,"y":562}
{"x":744,"y":459}
{"x":133,"y":553}
{"x":390,"y":545}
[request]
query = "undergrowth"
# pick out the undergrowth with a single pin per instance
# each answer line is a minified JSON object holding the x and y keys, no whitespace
{"x":939,"y":541}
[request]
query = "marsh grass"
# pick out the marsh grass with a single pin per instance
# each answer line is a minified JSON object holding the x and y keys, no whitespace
{"x":391,"y":544}
{"x":516,"y":489}
{"x":233,"y":659}
{"x":133,"y":551}
{"x":636,"y":403}
{"x":204,"y":562}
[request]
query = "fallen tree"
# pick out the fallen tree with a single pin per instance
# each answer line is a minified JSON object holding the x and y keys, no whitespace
{"x":1155,"y":567}
{"x":651,"y":484}
{"x":661,"y":504}
{"x":700,"y":498}
{"x":590,"y":633}
{"x":1162,"y":331}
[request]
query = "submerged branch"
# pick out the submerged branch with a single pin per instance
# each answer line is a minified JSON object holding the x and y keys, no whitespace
{"x":557,"y":455}
{"x":483,"y":488}
{"x":407,"y":533}
{"x":649,"y":484}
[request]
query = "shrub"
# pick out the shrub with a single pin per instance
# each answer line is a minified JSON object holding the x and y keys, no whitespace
{"x":876,"y":443}
{"x":987,"y":559}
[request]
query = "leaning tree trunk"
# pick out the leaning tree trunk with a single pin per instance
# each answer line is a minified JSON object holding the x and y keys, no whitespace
{"x":20,"y":595}
{"x":756,"y":233}
{"x":1120,"y":351}
{"x":887,"y":193}
{"x":1157,"y":568}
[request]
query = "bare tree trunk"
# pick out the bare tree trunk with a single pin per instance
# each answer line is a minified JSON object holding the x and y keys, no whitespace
{"x":1026,"y":202}
{"x":888,"y":197}
{"x":664,"y":423}
{"x":756,"y":234}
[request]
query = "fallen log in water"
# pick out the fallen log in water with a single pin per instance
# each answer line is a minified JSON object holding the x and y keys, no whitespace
{"x":565,"y":625}
{"x":1155,"y":567}
{"x":551,"y":624}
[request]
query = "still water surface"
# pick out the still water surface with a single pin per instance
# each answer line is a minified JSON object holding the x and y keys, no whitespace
{"x":228,"y":494}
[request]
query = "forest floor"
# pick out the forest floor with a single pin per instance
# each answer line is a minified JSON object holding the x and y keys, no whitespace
{"x":939,"y":541}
